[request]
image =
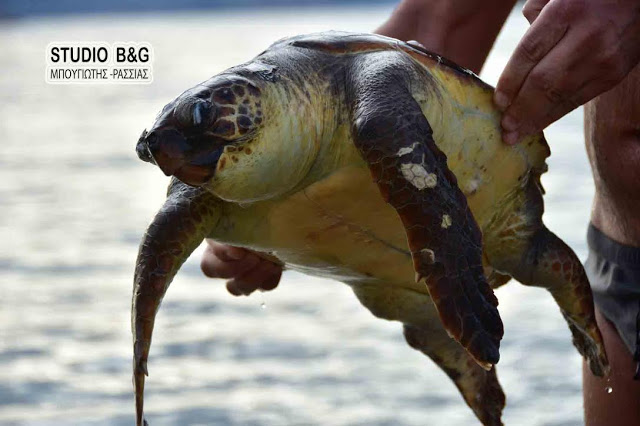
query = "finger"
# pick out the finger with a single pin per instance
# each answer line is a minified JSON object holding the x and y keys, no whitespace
{"x":231,"y":288}
{"x":273,"y":281}
{"x":253,"y":279}
{"x":573,"y":73}
{"x":226,"y":252}
{"x":214,"y":267}
{"x":546,"y":88}
{"x":532,"y":9}
{"x":584,"y":94}
{"x":541,"y":37}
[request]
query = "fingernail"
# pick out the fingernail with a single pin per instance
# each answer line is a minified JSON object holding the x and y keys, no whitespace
{"x":510,"y":138}
{"x":509,"y":123}
{"x":501,"y":100}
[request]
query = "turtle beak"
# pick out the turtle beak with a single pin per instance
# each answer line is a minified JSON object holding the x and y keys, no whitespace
{"x":170,"y":150}
{"x":142,"y":149}
{"x":166,"y":147}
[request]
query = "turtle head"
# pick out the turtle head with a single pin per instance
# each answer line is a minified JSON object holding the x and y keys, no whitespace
{"x":232,"y":134}
{"x":174,"y":143}
{"x":191,"y":133}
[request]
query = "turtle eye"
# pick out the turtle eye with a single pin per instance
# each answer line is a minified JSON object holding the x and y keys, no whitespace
{"x":195,"y":112}
{"x":202,"y":113}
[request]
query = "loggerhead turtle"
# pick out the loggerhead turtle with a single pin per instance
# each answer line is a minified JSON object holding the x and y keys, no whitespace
{"x":374,"y":162}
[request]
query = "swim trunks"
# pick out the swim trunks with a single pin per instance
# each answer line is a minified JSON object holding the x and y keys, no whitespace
{"x":613,"y":270}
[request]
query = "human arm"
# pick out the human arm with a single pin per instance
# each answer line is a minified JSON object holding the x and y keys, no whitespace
{"x":461,"y":30}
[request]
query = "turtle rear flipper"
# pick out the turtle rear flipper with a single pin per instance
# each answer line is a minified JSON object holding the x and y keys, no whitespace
{"x":422,"y":331}
{"x":479,"y":388}
{"x":396,"y":140}
{"x":546,"y":261}
{"x":182,"y":223}
{"x":524,"y":248}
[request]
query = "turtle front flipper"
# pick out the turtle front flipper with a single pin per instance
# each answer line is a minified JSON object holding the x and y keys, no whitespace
{"x":182,"y":223}
{"x":395,"y":139}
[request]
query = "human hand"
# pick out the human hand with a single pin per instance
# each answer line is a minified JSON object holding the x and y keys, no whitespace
{"x":247,"y":271}
{"x":573,"y":51}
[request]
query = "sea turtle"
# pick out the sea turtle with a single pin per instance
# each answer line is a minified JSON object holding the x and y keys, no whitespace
{"x":379,"y":164}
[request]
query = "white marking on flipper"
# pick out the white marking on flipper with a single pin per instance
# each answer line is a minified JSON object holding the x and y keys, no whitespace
{"x":418,"y":176}
{"x":407,"y":150}
{"x":446,"y":221}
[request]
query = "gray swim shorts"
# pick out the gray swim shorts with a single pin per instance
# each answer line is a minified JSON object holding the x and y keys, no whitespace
{"x":614,"y":273}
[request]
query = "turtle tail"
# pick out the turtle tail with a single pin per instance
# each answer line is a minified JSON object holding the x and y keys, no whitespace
{"x":182,"y":223}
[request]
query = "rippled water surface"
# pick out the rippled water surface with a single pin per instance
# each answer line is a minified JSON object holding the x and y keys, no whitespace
{"x":75,"y":201}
